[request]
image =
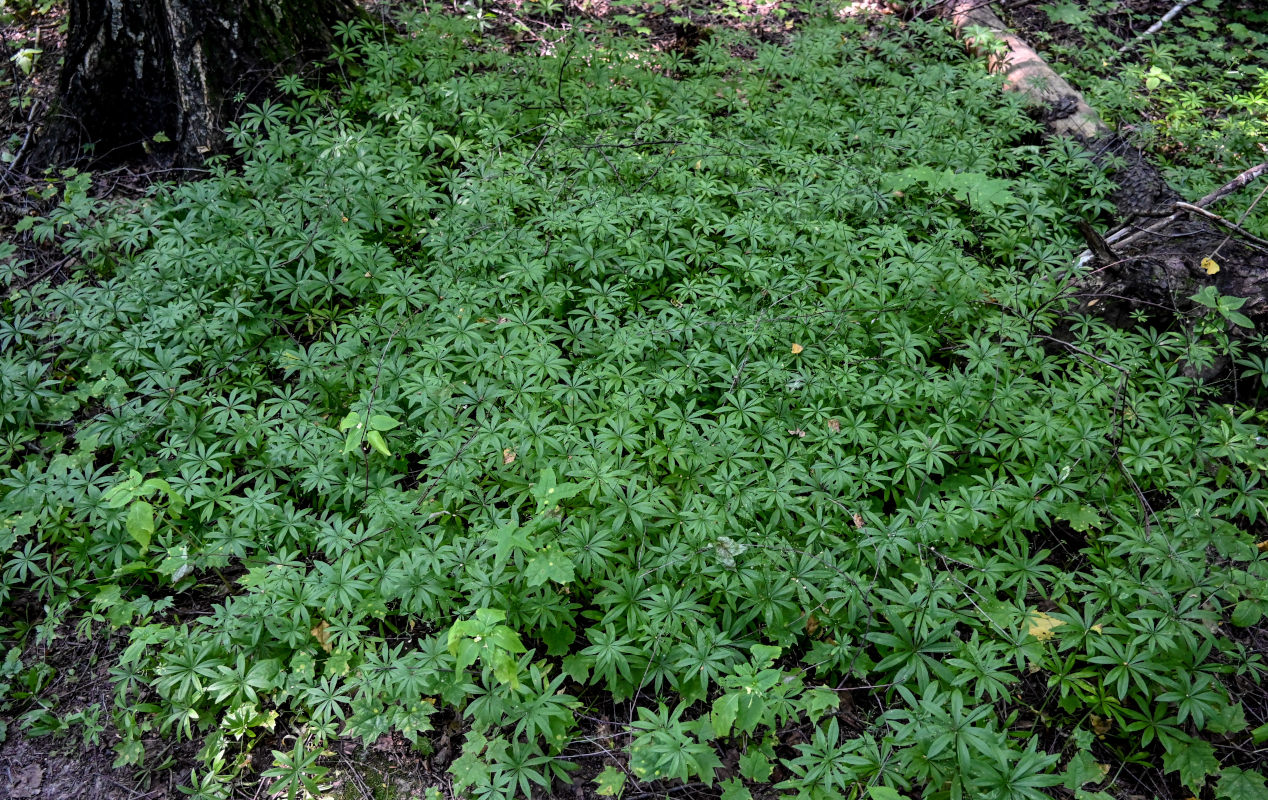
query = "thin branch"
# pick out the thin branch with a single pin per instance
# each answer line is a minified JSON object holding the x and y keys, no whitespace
{"x":1157,"y":26}
{"x":1129,"y":233}
{"x":1251,"y":239}
{"x":1233,"y":185}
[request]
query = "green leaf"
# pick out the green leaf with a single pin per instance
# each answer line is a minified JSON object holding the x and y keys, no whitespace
{"x":1238,"y":784}
{"x":140,"y":523}
{"x":984,"y":193}
{"x":120,"y":495}
{"x":818,"y":700}
{"x":1067,"y":12}
{"x":883,"y":793}
{"x":611,"y":782}
{"x":558,"y":639}
{"x":353,"y":420}
{"x":577,"y":667}
{"x":734,"y":789}
{"x":506,"y":668}
{"x":1227,"y":718}
{"x":725,"y":709}
{"x":509,"y":538}
{"x":469,"y":769}
{"x":1083,"y":770}
{"x":1194,"y":760}
{"x":1247,"y":613}
{"x":1259,"y":735}
{"x":548,"y":564}
{"x":376,"y":441}
{"x":548,"y":493}
{"x":353,"y":442}
{"x":1082,"y":518}
{"x":764,"y":655}
{"x":1207,"y":296}
{"x":756,"y":766}
{"x":752,"y":710}
{"x":1239,"y":319}
{"x":382,"y":422}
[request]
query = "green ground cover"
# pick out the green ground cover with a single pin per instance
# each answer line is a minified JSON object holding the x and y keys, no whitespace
{"x":726,"y":396}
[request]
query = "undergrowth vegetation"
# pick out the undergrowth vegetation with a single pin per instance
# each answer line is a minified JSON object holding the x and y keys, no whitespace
{"x":683,"y":406}
{"x":1194,"y":93}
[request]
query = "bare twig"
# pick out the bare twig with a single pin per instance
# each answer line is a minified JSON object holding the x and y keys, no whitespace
{"x":1126,"y":235}
{"x":1233,"y":185}
{"x":1157,"y":26}
{"x":26,"y":140}
{"x":1251,"y":239}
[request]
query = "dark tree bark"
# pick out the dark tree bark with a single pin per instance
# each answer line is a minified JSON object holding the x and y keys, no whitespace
{"x":137,"y":68}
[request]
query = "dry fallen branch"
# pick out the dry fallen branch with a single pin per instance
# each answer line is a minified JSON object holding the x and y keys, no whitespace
{"x":1157,"y":26}
{"x":1129,"y":234}
{"x":1233,"y":185}
{"x":1251,"y":239}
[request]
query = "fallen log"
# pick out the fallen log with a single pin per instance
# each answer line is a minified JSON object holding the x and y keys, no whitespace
{"x":1155,"y":257}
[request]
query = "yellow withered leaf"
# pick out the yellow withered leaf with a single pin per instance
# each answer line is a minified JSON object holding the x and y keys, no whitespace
{"x":322,"y":634}
{"x":508,"y":456}
{"x":1209,"y":266}
{"x":1041,"y":625}
{"x":796,"y":348}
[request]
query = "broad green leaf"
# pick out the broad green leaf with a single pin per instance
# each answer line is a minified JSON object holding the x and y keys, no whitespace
{"x":353,"y":442}
{"x":1227,"y":718}
{"x":764,"y":655}
{"x":733,"y":789}
{"x":756,"y":766}
{"x":1240,"y":320}
{"x":509,"y":538}
{"x":140,"y":523}
{"x":548,"y":493}
{"x":611,"y":782}
{"x":506,"y":668}
{"x":983,"y":192}
{"x":1082,"y":518}
{"x":1082,"y":770}
{"x":376,"y":441}
{"x":382,"y":422}
{"x":469,"y":769}
{"x":1194,"y":760}
{"x":548,"y":564}
{"x":1236,"y":783}
{"x":817,"y":700}
{"x":121,"y":494}
{"x":725,"y":709}
{"x":577,"y":667}
{"x":1259,"y":735}
{"x":751,"y":710}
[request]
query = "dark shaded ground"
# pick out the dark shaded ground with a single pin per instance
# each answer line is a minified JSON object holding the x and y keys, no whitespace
{"x":79,"y":764}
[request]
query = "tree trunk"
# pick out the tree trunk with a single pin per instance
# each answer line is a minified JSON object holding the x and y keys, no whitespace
{"x":135,"y":69}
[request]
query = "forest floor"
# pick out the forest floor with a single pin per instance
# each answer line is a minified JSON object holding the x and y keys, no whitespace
{"x":30,"y":42}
